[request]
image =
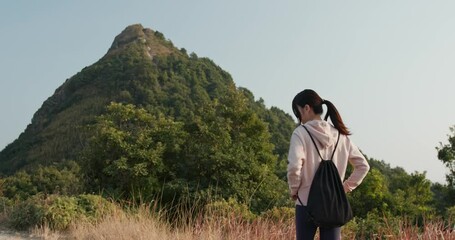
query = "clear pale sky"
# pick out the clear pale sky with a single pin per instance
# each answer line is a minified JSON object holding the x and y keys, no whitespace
{"x":388,"y":66}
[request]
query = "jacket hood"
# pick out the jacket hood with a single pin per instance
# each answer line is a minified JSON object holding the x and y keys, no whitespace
{"x":324,"y":134}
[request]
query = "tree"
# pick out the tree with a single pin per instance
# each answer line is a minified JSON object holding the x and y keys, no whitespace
{"x":443,"y":198}
{"x":229,"y":151}
{"x":393,"y":191}
{"x":446,"y":153}
{"x":414,"y":198}
{"x":127,"y":155}
{"x":370,"y":195}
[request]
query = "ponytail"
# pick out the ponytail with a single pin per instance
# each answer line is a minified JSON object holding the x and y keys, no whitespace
{"x":335,"y":117}
{"x":311,"y":98}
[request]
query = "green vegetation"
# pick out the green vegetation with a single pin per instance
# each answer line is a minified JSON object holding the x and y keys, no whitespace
{"x":220,"y":220}
{"x":58,"y":212}
{"x":149,"y":123}
{"x":63,"y":179}
{"x":223,"y":150}
{"x":446,"y":153}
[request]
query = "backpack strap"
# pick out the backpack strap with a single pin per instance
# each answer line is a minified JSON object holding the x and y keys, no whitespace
{"x":317,"y":149}
{"x":336,"y":145}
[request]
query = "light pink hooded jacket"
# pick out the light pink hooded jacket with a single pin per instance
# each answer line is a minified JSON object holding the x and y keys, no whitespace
{"x":303,"y":158}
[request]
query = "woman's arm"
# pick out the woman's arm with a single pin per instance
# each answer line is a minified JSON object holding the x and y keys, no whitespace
{"x":296,"y":158}
{"x":361,"y":168}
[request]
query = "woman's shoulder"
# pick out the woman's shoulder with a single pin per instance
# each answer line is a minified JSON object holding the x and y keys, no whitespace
{"x":296,"y":130}
{"x":299,"y":132}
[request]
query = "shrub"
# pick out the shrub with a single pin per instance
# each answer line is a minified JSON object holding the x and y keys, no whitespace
{"x":376,"y":225}
{"x":58,"y":212}
{"x":5,"y":204}
{"x":61,"y":211}
{"x":26,"y":214}
{"x":229,"y":209}
{"x":351,"y":229}
{"x":369,"y":226}
{"x":279,"y":214}
{"x":94,"y":207}
{"x":62,"y":179}
{"x":19,"y":186}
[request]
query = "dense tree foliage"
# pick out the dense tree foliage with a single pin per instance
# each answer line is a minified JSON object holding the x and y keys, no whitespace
{"x":126,"y":153}
{"x":446,"y":153}
{"x":61,"y":179}
{"x":224,"y":150}
{"x":392,"y":191}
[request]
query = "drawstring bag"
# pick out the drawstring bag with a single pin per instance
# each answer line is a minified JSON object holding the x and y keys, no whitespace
{"x":327,"y":204}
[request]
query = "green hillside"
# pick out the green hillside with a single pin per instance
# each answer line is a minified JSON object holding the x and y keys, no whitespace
{"x":222,"y":136}
{"x":141,"y":68}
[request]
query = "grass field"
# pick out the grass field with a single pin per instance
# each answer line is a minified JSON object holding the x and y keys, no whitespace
{"x":145,"y":223}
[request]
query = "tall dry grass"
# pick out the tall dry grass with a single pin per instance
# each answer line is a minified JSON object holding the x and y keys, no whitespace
{"x":145,"y":222}
{"x":148,"y":223}
{"x":140,"y":228}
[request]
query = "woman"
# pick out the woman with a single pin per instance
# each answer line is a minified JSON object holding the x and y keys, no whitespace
{"x":303,"y":158}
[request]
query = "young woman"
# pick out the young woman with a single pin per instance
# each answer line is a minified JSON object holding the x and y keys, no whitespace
{"x":303,"y":158}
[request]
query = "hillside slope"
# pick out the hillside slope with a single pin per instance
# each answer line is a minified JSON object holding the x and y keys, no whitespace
{"x":142,"y":68}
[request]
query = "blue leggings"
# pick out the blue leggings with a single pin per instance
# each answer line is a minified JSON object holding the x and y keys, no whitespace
{"x":306,"y":229}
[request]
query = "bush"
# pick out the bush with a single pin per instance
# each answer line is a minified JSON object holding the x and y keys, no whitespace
{"x":279,"y":214}
{"x":5,"y":204}
{"x":58,"y":212}
{"x":376,"y":225}
{"x":451,"y":213}
{"x":370,"y":226}
{"x":18,"y":187}
{"x":63,"y":179}
{"x":26,"y":214}
{"x":61,"y":211}
{"x":351,"y":229}
{"x":229,"y":209}
{"x":94,"y":207}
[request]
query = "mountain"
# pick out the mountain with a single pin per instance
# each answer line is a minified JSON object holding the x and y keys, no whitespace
{"x":142,"y":68}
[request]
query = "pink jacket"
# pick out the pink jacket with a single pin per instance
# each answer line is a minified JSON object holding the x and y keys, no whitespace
{"x":303,"y":159}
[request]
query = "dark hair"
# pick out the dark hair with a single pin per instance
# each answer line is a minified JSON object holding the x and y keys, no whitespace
{"x":313,"y":100}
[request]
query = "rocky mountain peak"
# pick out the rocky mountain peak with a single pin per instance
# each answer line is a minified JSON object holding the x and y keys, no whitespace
{"x":153,"y":42}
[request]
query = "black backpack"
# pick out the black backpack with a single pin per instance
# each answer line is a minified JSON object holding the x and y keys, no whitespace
{"x":327,"y":203}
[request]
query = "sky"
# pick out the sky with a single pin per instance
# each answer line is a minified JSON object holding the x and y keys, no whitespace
{"x":386,"y":65}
